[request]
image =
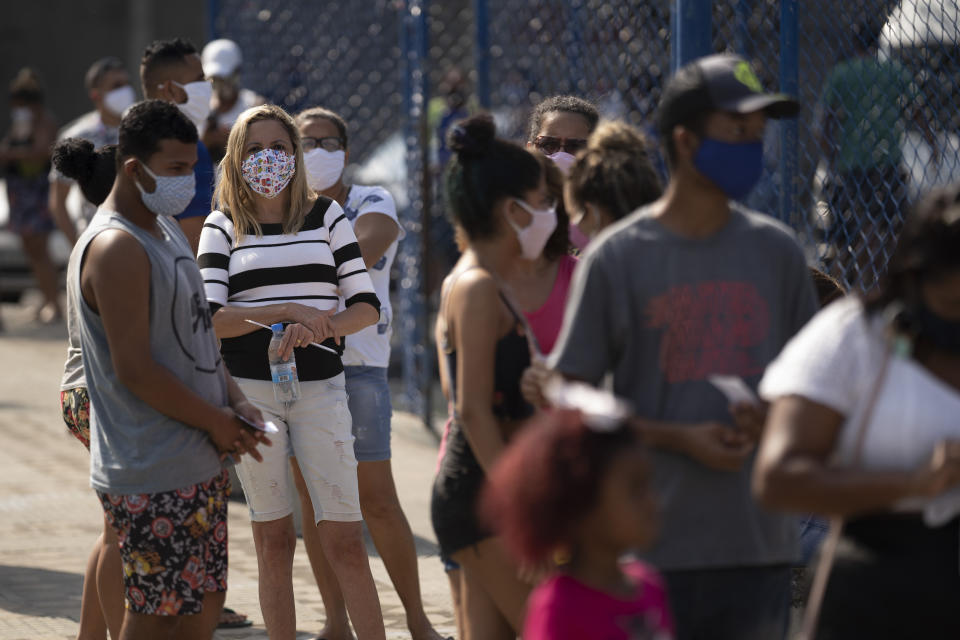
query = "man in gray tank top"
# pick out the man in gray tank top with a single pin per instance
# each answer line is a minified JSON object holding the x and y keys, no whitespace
{"x":164,"y":410}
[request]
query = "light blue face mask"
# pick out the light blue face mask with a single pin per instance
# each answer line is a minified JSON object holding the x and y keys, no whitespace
{"x":735,"y":167}
{"x":171,"y":195}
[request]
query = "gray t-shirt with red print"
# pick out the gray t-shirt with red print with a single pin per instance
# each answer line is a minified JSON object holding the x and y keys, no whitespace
{"x":662,"y":313}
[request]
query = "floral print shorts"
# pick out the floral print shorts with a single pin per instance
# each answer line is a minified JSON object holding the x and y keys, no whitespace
{"x":173,"y":545}
{"x":75,"y":404}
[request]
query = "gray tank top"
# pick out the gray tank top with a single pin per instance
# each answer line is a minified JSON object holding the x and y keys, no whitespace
{"x":133,"y":447}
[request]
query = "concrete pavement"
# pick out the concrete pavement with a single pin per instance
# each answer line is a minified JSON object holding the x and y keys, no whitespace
{"x":49,"y":517}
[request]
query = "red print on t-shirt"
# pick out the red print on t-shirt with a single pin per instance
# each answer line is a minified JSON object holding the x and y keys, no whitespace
{"x":709,"y":328}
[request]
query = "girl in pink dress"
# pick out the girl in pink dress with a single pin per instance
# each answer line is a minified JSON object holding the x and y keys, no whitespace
{"x":572,"y":490}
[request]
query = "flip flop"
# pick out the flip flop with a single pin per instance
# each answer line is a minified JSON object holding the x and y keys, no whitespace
{"x":233,"y":624}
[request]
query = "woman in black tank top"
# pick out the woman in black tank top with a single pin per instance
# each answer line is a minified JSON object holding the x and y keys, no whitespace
{"x":499,"y":199}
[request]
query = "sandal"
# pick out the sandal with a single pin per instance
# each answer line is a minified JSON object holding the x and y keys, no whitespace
{"x":230,"y":619}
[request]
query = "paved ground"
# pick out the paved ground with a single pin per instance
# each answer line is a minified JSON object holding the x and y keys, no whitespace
{"x":49,"y":517}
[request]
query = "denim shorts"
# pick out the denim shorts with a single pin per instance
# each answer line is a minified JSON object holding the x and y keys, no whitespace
{"x":369,"y":395}
{"x":315,"y":429}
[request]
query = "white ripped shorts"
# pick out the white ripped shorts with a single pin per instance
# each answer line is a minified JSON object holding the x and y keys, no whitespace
{"x":317,"y":430}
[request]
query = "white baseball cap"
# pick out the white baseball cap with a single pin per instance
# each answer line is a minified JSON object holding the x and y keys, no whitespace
{"x":220,"y":58}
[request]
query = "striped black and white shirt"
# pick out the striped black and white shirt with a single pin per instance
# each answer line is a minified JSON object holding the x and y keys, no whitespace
{"x":313,"y":267}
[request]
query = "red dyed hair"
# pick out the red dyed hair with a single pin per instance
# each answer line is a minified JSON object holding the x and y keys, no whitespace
{"x":547,"y":480}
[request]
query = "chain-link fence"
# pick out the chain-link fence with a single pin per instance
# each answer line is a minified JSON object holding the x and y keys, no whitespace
{"x":878,"y":125}
{"x":875,"y":78}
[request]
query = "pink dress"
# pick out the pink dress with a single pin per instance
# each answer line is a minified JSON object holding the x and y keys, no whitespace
{"x":563,"y":608}
{"x":545,"y":321}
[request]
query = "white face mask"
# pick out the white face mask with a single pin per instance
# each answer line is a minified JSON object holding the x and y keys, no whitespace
{"x":563,"y":160}
{"x":197,"y":106}
{"x":171,"y":195}
{"x":324,"y":167}
{"x":533,"y":238}
{"x":119,"y":99}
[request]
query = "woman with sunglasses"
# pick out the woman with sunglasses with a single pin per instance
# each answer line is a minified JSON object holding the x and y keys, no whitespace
{"x":373,"y":215}
{"x":559,"y":128}
{"x":864,"y":426}
{"x":276,"y":252}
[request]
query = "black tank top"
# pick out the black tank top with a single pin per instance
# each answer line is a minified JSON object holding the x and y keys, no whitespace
{"x":511,"y":359}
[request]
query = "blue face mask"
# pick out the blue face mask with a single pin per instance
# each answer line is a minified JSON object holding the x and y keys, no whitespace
{"x":735,"y":167}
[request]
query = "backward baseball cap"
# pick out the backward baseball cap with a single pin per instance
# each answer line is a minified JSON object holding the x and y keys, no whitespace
{"x":721,"y":82}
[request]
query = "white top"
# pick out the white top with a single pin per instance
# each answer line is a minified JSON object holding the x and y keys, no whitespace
{"x":90,"y":127}
{"x":835,"y":361}
{"x":371,"y":346}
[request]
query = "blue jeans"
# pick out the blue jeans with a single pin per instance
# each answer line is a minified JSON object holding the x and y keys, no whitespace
{"x":750,"y":603}
{"x":812,"y":532}
{"x":368,"y":393}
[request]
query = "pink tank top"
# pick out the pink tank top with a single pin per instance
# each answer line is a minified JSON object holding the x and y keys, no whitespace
{"x":545,"y":321}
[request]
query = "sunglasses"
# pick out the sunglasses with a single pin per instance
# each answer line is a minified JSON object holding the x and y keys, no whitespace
{"x":549,"y":145}
{"x":328,"y":143}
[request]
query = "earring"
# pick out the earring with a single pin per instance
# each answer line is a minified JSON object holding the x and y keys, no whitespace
{"x":562,"y":555}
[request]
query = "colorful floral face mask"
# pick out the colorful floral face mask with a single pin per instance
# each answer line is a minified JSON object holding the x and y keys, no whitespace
{"x":268,"y":172}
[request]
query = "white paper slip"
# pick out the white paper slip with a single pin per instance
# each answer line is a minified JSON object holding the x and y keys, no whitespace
{"x":735,"y":389}
{"x":268,"y":426}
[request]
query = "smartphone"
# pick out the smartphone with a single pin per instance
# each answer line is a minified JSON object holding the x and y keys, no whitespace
{"x":268,"y":426}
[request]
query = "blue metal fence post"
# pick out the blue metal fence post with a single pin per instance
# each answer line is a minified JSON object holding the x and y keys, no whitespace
{"x":213,"y":10}
{"x":481,"y":51}
{"x":691,"y":25}
{"x":577,"y":54}
{"x":412,"y":312}
{"x":789,"y":84}
{"x":743,"y":41}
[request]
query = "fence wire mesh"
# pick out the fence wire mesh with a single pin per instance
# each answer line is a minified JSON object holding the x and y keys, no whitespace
{"x":877,"y":80}
{"x":878,"y":122}
{"x":342,"y":55}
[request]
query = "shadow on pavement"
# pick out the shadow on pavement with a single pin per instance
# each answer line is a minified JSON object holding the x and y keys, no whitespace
{"x":40,"y":592}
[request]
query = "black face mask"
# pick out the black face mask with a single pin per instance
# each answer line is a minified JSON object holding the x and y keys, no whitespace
{"x":941,"y":333}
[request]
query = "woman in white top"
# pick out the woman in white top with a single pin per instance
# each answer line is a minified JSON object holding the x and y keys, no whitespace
{"x":889,"y":365}
{"x":277,"y":252}
{"x":373,"y":215}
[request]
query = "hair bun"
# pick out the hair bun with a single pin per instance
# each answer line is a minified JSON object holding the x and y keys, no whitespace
{"x":617,"y":136}
{"x":472,"y":137}
{"x":75,"y":158}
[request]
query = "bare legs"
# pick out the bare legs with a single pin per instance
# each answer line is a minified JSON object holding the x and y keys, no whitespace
{"x":109,"y":582}
{"x":275,"y":542}
{"x":101,"y":607}
{"x":455,"y":577}
{"x":395,"y":540}
{"x":92,"y":623}
{"x":35,"y":246}
{"x":138,"y":626}
{"x":493,"y":598}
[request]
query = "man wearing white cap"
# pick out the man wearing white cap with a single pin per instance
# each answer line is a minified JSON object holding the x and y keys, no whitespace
{"x":221,"y":63}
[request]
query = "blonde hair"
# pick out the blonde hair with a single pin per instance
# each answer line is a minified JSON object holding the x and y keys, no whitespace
{"x":234,"y":196}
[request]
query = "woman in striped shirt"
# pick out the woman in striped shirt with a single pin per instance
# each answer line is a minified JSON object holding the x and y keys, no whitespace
{"x":276,"y":252}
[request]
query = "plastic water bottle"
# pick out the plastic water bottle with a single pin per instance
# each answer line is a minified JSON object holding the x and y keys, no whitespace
{"x":286,"y":384}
